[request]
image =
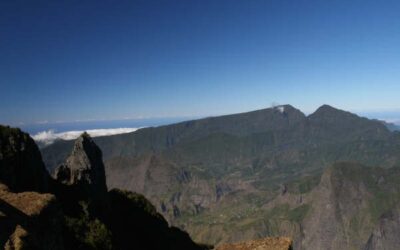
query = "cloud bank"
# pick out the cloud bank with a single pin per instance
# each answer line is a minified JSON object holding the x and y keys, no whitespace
{"x":394,"y":121}
{"x":48,"y":137}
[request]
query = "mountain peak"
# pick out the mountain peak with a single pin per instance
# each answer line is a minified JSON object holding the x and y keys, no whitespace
{"x":285,"y":108}
{"x":329,"y":120}
{"x":328,"y":110}
{"x":328,"y":114}
{"x":84,"y":167}
{"x":85,"y":142}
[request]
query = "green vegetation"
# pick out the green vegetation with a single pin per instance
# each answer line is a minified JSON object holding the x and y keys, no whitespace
{"x":6,"y":131}
{"x":88,"y":233}
{"x":299,"y":213}
{"x":304,"y":185}
{"x":85,"y":232}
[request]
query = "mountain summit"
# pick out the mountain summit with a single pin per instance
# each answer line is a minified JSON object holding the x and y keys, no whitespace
{"x":84,"y":168}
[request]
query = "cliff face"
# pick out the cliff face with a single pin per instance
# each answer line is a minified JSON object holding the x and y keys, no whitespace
{"x":21,"y":166}
{"x":386,"y":233}
{"x":339,"y":205}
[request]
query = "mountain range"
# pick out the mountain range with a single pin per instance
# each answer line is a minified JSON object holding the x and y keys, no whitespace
{"x":327,"y":180}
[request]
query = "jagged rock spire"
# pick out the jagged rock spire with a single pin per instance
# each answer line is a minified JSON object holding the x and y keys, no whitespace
{"x":84,"y":168}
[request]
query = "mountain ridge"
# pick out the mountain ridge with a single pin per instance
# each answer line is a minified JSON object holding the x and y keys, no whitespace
{"x":195,"y":171}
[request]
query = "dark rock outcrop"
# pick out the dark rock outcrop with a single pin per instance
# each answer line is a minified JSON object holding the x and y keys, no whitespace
{"x":21,"y":165}
{"x":84,"y":169}
{"x":134,"y":220}
{"x":29,"y":220}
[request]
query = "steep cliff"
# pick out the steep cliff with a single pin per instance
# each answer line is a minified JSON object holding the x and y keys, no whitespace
{"x":84,"y":169}
{"x":21,"y":166}
{"x":386,"y":233}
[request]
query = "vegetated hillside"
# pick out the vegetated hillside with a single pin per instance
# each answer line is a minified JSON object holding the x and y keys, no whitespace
{"x":351,"y":207}
{"x":214,"y":176}
{"x":347,"y":205}
{"x":77,"y":211}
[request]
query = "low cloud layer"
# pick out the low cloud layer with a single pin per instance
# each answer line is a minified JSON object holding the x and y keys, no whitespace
{"x":48,"y":137}
{"x":394,"y":121}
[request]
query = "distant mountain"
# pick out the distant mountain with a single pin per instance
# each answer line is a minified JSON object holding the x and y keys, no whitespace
{"x":218,"y":177}
{"x":391,"y":126}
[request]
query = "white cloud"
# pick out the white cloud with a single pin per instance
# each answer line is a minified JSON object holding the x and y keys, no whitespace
{"x":48,"y":137}
{"x":281,"y":109}
{"x":394,"y":121}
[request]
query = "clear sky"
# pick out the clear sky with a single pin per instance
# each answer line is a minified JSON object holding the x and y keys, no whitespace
{"x":84,"y":60}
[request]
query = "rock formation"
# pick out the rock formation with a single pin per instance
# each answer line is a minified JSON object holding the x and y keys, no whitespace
{"x":21,"y":166}
{"x":279,"y":243}
{"x":84,"y":169}
{"x":29,"y":220}
{"x":386,"y":234}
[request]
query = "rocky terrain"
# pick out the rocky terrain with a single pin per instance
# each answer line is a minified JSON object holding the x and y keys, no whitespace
{"x":29,"y":219}
{"x":262,"y":244}
{"x":74,"y":210}
{"x":270,"y":172}
{"x":386,"y":233}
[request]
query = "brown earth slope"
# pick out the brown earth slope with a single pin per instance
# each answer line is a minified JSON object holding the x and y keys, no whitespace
{"x":29,"y":220}
{"x":278,"y":243}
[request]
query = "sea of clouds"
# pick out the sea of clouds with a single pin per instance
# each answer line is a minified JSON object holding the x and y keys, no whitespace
{"x":49,"y":136}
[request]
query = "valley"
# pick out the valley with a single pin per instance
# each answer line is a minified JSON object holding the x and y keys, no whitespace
{"x":258,"y":174}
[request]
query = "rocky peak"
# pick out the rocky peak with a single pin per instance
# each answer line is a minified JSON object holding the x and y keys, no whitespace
{"x":84,"y":168}
{"x":328,"y":121}
{"x":328,"y":113}
{"x":21,"y":165}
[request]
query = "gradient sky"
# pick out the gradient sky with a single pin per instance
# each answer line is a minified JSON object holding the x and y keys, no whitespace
{"x":84,"y":60}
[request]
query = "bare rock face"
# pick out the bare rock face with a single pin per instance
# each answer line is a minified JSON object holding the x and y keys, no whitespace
{"x":21,"y":165}
{"x":84,"y":169}
{"x":337,"y":200}
{"x":386,"y":234}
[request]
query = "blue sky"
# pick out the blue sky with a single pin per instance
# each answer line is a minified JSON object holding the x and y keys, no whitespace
{"x":96,"y":60}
